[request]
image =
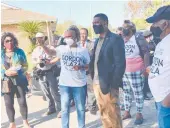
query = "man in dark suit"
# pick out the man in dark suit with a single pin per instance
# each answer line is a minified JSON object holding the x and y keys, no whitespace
{"x":107,"y":68}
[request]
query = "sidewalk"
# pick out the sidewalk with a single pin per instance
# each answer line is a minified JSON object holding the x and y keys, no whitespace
{"x":37,"y":119}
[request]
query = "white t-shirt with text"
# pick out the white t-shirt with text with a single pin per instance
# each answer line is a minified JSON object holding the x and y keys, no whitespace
{"x":159,"y":77}
{"x":70,"y":57}
{"x":131,"y":48}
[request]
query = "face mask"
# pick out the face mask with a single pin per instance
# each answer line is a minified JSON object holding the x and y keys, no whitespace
{"x":9,"y":46}
{"x":98,"y":29}
{"x":156,"y":31}
{"x":69,"y":41}
{"x":126,"y":32}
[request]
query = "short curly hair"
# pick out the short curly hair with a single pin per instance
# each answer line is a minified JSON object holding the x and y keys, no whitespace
{"x":76,"y":30}
{"x":8,"y":34}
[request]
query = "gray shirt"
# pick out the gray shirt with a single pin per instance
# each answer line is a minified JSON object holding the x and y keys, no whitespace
{"x":98,"y":48}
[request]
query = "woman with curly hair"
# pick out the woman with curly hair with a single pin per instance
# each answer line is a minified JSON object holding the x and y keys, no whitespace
{"x":13,"y":68}
{"x":72,"y":82}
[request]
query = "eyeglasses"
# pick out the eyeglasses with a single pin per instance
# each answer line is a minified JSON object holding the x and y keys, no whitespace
{"x":7,"y":41}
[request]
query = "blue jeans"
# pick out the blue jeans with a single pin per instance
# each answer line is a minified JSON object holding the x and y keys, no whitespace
{"x":163,"y":115}
{"x":79,"y":96}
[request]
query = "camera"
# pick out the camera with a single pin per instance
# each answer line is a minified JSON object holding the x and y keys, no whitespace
{"x":38,"y":73}
{"x":42,"y":63}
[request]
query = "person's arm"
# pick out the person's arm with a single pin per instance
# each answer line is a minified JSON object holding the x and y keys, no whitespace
{"x":24,"y":62}
{"x":34,"y":57}
{"x":55,"y":60}
{"x":145,"y":51}
{"x":119,"y":60}
{"x":49,"y":51}
{"x":81,"y":67}
{"x":57,"y":55}
{"x":21,"y":67}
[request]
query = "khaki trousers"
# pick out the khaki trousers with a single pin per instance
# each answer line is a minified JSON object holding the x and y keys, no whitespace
{"x":108,"y":107}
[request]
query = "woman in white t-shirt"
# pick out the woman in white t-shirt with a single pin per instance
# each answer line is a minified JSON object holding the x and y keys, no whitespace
{"x":137,"y":58}
{"x":74,"y":63}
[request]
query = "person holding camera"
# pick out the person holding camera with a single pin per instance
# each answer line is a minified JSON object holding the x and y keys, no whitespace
{"x":74,"y":64}
{"x":47,"y":79}
{"x":13,"y":78}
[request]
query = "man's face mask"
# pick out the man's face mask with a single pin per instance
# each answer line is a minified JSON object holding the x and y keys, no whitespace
{"x":98,"y":29}
{"x":158,"y":29}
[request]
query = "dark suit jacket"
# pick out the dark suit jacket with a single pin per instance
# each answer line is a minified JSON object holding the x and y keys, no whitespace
{"x":111,"y":63}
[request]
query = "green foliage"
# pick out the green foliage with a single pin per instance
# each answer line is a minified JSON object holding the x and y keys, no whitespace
{"x":141,"y":23}
{"x":30,"y":28}
{"x":147,"y":9}
{"x":63,"y":27}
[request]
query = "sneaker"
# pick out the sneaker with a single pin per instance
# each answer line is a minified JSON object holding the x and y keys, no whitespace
{"x":50,"y":112}
{"x":138,"y":121}
{"x":93,"y":110}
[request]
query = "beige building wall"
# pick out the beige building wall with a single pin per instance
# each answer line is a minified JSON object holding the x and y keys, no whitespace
{"x":24,"y":42}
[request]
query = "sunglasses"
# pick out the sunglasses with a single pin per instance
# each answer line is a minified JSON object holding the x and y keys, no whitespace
{"x":7,"y":41}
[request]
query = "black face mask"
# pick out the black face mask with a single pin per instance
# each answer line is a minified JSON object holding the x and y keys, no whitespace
{"x":98,"y":29}
{"x":156,"y":31}
{"x":126,"y":32}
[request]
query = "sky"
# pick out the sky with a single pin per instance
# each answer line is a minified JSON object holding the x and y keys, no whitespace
{"x":81,"y":12}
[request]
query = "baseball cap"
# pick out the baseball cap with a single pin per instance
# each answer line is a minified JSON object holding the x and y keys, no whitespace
{"x":147,"y":33}
{"x":39,"y":34}
{"x":161,"y":13}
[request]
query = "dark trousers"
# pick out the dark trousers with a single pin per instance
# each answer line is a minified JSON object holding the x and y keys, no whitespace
{"x":146,"y":88}
{"x":49,"y":86}
{"x":9,"y":102}
{"x":91,"y":99}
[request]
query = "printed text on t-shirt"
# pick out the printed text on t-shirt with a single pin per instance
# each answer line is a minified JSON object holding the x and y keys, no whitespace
{"x":157,"y":63}
{"x":129,"y":49}
{"x":70,"y":61}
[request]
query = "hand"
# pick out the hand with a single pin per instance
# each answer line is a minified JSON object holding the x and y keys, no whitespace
{"x":11,"y":73}
{"x":148,"y":69}
{"x":145,"y":72}
{"x":48,"y":62}
{"x":76,"y":67}
{"x":166,"y":101}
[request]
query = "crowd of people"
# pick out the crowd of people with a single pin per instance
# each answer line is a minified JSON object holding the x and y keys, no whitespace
{"x":93,"y":72}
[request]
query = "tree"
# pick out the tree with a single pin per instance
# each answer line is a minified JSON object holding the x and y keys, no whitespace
{"x":139,"y":10}
{"x":63,"y":27}
{"x":30,"y":28}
